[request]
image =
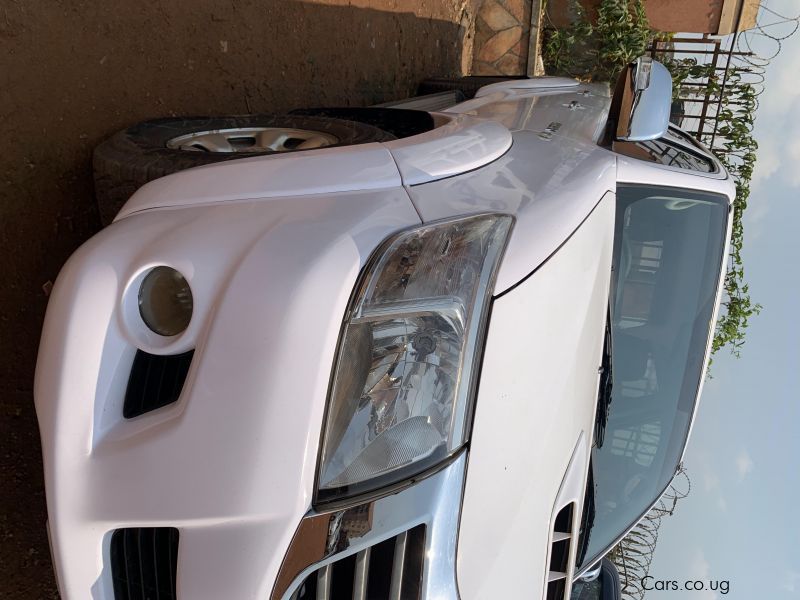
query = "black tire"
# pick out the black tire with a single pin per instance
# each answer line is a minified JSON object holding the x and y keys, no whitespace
{"x":400,"y":122}
{"x":132,"y":157}
{"x":468,"y":85}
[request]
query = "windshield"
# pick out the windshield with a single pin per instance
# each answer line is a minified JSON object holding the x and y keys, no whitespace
{"x":667,"y":261}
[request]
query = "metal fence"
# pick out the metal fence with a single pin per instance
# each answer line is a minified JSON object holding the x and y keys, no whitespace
{"x":721,"y":81}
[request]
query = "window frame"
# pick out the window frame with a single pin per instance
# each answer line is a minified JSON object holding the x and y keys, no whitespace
{"x":679,"y":140}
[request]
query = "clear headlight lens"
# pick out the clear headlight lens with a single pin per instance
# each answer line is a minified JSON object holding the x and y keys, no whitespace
{"x":165,"y":301}
{"x":404,"y":375}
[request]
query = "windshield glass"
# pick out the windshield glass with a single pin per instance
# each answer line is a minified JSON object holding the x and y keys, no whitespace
{"x":667,"y":260}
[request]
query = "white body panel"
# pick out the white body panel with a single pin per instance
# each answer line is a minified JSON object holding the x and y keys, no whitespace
{"x":535,"y":83}
{"x":328,"y":170}
{"x":232,"y":462}
{"x":536,"y":402}
{"x":272,"y":247}
{"x":550,"y":180}
{"x":550,"y":196}
{"x":463,"y":144}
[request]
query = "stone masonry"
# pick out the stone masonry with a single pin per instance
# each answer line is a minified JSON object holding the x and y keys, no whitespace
{"x":502,"y":37}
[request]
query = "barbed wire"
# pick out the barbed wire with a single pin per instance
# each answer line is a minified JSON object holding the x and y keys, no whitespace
{"x":739,"y":80}
{"x":790,"y":26}
{"x":634,"y":554}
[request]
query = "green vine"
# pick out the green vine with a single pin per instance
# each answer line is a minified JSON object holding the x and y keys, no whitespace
{"x":598,"y":50}
{"x":623,"y":34}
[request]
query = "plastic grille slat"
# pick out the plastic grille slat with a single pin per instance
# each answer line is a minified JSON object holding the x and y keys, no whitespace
{"x":155,"y":381}
{"x":144,"y":563}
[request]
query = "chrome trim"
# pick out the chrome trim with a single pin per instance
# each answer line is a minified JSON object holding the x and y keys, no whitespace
{"x":323,"y":538}
{"x":324,"y":582}
{"x":646,"y":102}
{"x":361,"y":575}
{"x":642,"y":69}
{"x":396,"y":587}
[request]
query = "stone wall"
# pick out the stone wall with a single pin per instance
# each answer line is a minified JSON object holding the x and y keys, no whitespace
{"x":502,"y":32}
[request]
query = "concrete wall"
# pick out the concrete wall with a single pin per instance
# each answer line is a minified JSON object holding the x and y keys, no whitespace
{"x":696,"y":16}
{"x":701,"y":16}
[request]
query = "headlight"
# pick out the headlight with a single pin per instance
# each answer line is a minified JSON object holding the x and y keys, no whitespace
{"x":165,"y":301}
{"x":403,"y":382}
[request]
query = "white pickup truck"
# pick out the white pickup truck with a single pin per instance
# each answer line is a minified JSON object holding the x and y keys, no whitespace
{"x":460,"y":360}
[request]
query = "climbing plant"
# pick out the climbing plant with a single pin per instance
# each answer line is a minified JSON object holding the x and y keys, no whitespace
{"x":599,"y":50}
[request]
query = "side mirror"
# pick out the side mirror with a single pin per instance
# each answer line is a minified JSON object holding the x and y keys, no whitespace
{"x":601,"y":582}
{"x":646,"y":101}
{"x":593,"y":573}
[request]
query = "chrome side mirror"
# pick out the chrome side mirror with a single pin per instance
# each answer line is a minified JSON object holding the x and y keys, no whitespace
{"x":646,"y":100}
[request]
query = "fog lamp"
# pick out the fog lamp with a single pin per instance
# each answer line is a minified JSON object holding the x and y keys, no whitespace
{"x":165,"y":301}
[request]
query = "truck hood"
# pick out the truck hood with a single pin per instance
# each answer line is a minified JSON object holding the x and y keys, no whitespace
{"x":550,"y":183}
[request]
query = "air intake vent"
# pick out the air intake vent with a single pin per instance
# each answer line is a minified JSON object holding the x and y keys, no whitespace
{"x":559,"y":554}
{"x":390,"y":570}
{"x":144,"y":563}
{"x":155,"y":381}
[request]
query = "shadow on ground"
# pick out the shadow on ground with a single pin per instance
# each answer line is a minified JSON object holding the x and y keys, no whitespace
{"x":71,"y":74}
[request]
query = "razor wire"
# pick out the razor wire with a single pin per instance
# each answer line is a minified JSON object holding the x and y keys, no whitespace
{"x":634,"y":554}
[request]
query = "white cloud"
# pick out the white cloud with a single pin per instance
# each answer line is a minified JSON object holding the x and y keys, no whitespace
{"x":768,"y":161}
{"x":700,"y":570}
{"x":700,"y":567}
{"x":710,"y":481}
{"x":781,"y":89}
{"x":777,"y":131}
{"x":791,"y":580}
{"x":722,"y":504}
{"x":793,"y":149}
{"x":744,"y":464}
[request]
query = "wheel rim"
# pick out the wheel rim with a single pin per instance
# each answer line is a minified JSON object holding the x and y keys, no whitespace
{"x":252,"y":139}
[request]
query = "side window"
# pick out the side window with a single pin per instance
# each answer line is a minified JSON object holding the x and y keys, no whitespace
{"x":667,"y":153}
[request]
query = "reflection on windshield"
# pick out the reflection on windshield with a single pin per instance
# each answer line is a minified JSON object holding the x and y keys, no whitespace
{"x":667,"y":259}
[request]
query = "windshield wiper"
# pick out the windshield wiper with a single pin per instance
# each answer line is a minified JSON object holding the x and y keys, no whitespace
{"x":606,"y":383}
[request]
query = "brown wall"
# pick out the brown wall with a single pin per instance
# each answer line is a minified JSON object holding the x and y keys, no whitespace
{"x":700,"y":16}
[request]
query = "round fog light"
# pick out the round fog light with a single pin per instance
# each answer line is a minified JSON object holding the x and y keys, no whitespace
{"x":165,"y":301}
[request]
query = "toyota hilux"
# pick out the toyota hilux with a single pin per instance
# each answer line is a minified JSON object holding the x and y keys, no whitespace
{"x":385,"y":352}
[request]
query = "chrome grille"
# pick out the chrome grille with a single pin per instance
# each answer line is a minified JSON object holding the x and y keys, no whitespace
{"x":389,"y":570}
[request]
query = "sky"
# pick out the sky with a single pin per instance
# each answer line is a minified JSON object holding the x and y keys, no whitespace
{"x":741,"y":521}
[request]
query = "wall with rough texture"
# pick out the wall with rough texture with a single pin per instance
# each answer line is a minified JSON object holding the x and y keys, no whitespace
{"x":700,"y":16}
{"x":72,"y":73}
{"x":501,"y":37}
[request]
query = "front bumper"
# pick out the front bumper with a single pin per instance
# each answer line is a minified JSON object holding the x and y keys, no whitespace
{"x":230,"y":464}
